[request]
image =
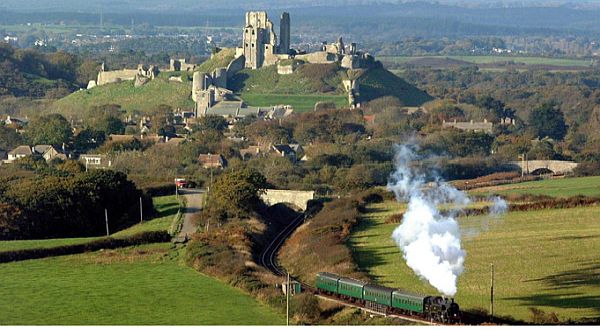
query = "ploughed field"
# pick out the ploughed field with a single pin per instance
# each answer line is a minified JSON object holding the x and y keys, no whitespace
{"x":546,"y":259}
{"x":587,"y":186}
{"x":146,"y":285}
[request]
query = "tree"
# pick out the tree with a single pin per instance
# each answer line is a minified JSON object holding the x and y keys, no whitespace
{"x":51,"y":129}
{"x":89,"y":139}
{"x":9,"y":138}
{"x":212,"y":122}
{"x":236,"y":193}
{"x":547,"y":120}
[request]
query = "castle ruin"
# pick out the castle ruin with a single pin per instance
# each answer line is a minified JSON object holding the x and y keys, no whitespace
{"x":259,"y":45}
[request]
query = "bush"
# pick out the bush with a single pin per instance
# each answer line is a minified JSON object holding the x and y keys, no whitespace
{"x":538,"y":316}
{"x":305,"y":308}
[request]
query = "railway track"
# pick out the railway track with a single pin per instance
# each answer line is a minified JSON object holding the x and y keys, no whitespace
{"x":268,"y":257}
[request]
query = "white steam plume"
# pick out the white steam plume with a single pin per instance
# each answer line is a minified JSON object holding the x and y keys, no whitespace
{"x":499,"y":206}
{"x":429,"y":240}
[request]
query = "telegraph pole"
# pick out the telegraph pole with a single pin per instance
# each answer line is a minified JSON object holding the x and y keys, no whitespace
{"x":492,"y":293}
{"x":106,"y":220}
{"x":141,"y":212}
{"x":287,"y":300}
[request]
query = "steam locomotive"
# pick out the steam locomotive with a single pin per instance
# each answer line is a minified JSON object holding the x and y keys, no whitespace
{"x":431,"y":308}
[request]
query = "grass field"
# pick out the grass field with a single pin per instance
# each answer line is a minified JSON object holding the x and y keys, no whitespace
{"x":495,"y":59}
{"x":301,"y":103}
{"x":141,"y":99}
{"x":135,"y":286}
{"x":546,"y":259}
{"x":166,"y":207}
{"x":588,"y":186}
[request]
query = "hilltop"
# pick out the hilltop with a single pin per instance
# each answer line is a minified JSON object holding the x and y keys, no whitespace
{"x":323,"y":81}
{"x":308,"y":84}
{"x":130,"y":98}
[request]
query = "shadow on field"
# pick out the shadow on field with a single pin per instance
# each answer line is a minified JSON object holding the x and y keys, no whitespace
{"x":574,"y":237}
{"x":169,"y":209}
{"x":574,"y":300}
{"x":368,"y":258}
{"x":588,"y":275}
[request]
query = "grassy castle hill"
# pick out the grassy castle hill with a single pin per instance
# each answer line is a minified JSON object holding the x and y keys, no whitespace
{"x":310,"y":83}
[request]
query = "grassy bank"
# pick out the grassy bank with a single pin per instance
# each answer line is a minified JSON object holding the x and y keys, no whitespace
{"x":545,"y":259}
{"x":134,"y":286}
{"x":587,"y":186}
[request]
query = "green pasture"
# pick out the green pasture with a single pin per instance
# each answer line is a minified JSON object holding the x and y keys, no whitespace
{"x":301,"y":103}
{"x":562,"y":187}
{"x":546,"y":259}
{"x":146,"y":285}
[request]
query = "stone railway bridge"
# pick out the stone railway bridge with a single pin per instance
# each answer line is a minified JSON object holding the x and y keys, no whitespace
{"x":537,"y":167}
{"x":297,"y":198}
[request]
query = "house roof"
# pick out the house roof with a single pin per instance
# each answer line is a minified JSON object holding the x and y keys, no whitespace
{"x":42,"y":148}
{"x":211,"y":159}
{"x":21,"y":150}
{"x":284,"y":148}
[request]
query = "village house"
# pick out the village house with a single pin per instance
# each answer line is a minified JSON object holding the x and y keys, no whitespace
{"x":95,"y":161}
{"x":212,"y":161}
{"x":484,"y":126}
{"x":13,"y":121}
{"x":290,"y":151}
{"x":19,"y":152}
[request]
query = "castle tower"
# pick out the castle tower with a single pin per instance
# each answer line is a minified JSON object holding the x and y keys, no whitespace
{"x":259,"y":39}
{"x":284,"y":33}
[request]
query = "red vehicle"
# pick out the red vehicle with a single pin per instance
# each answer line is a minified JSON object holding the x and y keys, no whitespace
{"x":181,"y":182}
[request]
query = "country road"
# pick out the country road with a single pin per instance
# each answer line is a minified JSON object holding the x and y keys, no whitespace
{"x":193,"y":205}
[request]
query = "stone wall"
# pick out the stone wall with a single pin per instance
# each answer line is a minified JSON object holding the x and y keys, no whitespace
{"x":295,"y":197}
{"x":109,"y":77}
{"x":235,"y":66}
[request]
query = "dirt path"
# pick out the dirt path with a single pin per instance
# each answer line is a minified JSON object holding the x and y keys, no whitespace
{"x":193,"y":199}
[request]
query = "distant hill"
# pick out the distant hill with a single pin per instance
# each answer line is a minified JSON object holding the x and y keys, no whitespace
{"x":27,"y":72}
{"x":130,"y":98}
{"x":380,"y":82}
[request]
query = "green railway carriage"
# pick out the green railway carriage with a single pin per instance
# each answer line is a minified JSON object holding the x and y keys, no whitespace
{"x":407,"y":301}
{"x":327,"y":282}
{"x":378,"y":294}
{"x":351,"y":287}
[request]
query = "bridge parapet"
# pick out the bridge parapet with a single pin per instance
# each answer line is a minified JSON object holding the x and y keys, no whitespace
{"x":297,"y":198}
{"x":556,"y":166}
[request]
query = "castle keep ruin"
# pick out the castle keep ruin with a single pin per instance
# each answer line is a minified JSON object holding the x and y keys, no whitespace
{"x":259,"y":45}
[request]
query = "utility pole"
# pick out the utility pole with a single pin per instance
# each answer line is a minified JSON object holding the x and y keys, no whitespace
{"x":492,"y":293}
{"x":141,"y":212}
{"x":106,"y":220}
{"x":287,"y":299}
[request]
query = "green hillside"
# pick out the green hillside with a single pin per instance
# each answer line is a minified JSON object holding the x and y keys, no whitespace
{"x":545,"y":259}
{"x":155,"y":92}
{"x":380,"y":82}
{"x":308,"y":79}
{"x":322,"y":80}
{"x":219,"y":60}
